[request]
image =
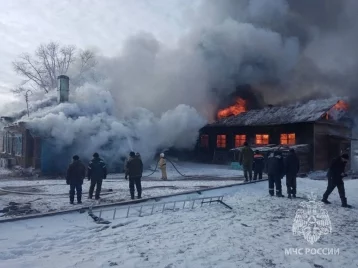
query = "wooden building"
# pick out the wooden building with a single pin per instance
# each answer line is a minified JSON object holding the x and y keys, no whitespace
{"x":321,"y":127}
{"x":20,"y":147}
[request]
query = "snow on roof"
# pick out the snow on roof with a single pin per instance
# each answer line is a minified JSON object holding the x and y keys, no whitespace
{"x":297,"y":113}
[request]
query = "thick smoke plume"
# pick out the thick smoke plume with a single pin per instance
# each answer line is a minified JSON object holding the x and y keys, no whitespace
{"x":153,"y":96}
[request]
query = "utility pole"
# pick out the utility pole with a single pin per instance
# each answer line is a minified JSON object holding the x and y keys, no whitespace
{"x":27,"y":101}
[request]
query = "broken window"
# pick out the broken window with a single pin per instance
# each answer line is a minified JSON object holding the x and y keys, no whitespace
{"x":240,"y":140}
{"x":262,"y":139}
{"x":204,"y":141}
{"x":221,"y":141}
{"x":288,"y":139}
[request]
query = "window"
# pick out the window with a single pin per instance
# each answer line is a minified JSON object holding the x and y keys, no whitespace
{"x":8,"y":143}
{"x":2,"y":142}
{"x":240,"y":140}
{"x":262,"y":139}
{"x":288,"y":139}
{"x":221,"y":141}
{"x":18,"y":144}
{"x":204,"y":141}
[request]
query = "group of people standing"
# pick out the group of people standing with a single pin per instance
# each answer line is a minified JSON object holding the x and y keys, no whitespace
{"x":76,"y":173}
{"x":97,"y":172}
{"x":276,"y":168}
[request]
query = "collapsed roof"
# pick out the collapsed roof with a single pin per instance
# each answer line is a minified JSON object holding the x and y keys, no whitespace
{"x":298,"y":113}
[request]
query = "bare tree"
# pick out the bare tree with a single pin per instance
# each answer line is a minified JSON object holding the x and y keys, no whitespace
{"x":49,"y":61}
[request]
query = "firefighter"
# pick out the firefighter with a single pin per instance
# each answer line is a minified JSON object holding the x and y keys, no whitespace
{"x":292,"y":167}
{"x":275,"y":172}
{"x":163,"y":167}
{"x":246,"y":161}
{"x":259,"y":164}
{"x":76,"y":172}
{"x":97,"y":172}
{"x":134,"y":169}
{"x":335,"y":175}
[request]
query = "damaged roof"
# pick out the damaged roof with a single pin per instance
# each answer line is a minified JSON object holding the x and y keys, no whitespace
{"x":308,"y":112}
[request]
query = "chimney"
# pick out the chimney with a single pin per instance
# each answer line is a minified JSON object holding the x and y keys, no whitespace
{"x":63,"y":88}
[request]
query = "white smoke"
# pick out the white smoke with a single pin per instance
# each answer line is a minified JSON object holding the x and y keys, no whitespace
{"x":153,"y":96}
{"x":89,"y":124}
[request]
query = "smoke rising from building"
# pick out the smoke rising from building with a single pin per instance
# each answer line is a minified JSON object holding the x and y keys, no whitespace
{"x":154,"y":96}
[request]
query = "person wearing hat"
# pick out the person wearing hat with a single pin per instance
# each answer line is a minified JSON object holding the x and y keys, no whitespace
{"x":335,"y":175}
{"x":134,"y":170}
{"x":163,"y":167}
{"x":76,"y":172}
{"x":292,"y":167}
{"x":97,"y":172}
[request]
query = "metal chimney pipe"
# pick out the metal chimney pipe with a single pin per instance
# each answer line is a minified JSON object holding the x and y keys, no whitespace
{"x":63,"y":88}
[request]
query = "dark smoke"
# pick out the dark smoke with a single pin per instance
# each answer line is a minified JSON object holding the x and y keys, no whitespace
{"x":318,"y":41}
{"x":253,"y":98}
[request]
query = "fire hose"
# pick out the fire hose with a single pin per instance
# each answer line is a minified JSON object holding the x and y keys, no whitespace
{"x":156,"y":167}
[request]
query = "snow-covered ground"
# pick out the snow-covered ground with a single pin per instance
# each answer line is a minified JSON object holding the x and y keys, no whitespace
{"x":255,"y":233}
{"x":50,"y":195}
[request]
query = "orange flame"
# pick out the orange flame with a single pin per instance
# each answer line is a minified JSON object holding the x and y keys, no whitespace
{"x":238,"y":108}
{"x":341,"y":106}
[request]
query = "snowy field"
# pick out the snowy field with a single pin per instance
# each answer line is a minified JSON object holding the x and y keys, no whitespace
{"x":50,"y":195}
{"x":254,"y":234}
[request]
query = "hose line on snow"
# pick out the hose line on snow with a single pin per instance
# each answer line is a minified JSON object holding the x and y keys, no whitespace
{"x":156,"y":167}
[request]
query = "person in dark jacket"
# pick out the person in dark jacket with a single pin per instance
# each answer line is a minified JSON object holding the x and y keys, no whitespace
{"x":134,"y":169}
{"x":292,"y":167}
{"x":259,"y":164}
{"x":275,"y":172}
{"x":335,"y":175}
{"x":76,"y":172}
{"x":246,"y":160}
{"x":125,"y":166}
{"x":97,"y":172}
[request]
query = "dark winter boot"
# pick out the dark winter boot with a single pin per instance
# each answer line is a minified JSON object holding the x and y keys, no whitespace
{"x":294,"y":195}
{"x":344,"y":203}
{"x":289,"y":196}
{"x":71,"y":202}
{"x":325,"y":201}
{"x":279,"y":193}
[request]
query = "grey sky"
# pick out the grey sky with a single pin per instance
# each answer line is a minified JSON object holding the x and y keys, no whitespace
{"x":98,"y":24}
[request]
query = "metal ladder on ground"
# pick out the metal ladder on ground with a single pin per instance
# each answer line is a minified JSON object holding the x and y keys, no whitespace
{"x":152,"y":208}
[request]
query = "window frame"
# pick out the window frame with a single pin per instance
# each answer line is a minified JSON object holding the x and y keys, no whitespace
{"x":240,"y":140}
{"x":206,"y":143}
{"x":18,"y":142}
{"x":223,"y":140}
{"x":288,"y":139}
{"x":262,"y":139}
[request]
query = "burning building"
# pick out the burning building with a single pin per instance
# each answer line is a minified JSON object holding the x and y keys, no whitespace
{"x":319,"y":130}
{"x":24,"y":147}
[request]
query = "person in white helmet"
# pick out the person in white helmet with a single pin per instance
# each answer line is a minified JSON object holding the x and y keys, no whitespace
{"x":163,"y":167}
